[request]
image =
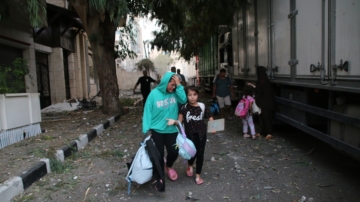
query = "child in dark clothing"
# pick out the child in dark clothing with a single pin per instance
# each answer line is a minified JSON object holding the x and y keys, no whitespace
{"x":192,"y":115}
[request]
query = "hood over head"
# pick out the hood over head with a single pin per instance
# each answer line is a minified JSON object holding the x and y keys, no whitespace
{"x":164,"y":81}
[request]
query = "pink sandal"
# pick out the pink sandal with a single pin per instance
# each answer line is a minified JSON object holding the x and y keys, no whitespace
{"x":171,"y":173}
{"x":189,"y":171}
{"x":199,"y":181}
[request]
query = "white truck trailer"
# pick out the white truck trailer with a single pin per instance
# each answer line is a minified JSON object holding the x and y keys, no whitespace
{"x":311,"y":49}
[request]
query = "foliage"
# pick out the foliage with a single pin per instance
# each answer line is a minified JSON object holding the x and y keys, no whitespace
{"x":55,"y":164}
{"x":101,"y":19}
{"x":12,"y":79}
{"x":127,"y":101}
{"x":145,"y":64}
{"x":37,"y":12}
{"x":162,"y":63}
{"x":127,"y":37}
{"x":187,"y":25}
{"x":35,"y":8}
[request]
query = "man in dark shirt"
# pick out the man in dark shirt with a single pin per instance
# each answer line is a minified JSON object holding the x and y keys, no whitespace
{"x":183,"y":82}
{"x":145,"y":87}
{"x":222,"y":89}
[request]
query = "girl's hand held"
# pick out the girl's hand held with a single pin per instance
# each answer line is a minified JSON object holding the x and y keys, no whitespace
{"x":171,"y":122}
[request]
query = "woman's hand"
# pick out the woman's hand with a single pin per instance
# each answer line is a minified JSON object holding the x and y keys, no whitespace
{"x":176,"y":79}
{"x":213,"y":131}
{"x":171,"y":122}
{"x":250,"y":84}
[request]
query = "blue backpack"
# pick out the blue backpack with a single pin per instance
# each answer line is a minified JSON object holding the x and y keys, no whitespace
{"x":214,"y":108}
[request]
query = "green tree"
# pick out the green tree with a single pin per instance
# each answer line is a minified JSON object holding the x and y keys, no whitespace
{"x":145,"y":64}
{"x":188,"y":24}
{"x":100,"y":19}
{"x":162,"y":63}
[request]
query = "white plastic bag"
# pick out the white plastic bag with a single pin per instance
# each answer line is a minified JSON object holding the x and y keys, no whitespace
{"x":141,"y":169}
{"x":255,"y":108}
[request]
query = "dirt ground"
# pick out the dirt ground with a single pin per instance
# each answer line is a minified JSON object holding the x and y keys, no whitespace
{"x":291,"y":167}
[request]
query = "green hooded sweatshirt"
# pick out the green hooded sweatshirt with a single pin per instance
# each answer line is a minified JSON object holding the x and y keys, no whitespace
{"x":161,"y":105}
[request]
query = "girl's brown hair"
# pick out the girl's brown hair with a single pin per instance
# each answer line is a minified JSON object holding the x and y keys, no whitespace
{"x":192,"y":88}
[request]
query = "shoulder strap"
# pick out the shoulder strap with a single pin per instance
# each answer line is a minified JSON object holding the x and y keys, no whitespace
{"x":202,"y":106}
{"x":155,"y":157}
{"x":217,"y":77}
{"x":128,"y":178}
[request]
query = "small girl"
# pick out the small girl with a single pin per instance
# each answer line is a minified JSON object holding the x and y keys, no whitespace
{"x":248,"y":120}
{"x":195,"y":128}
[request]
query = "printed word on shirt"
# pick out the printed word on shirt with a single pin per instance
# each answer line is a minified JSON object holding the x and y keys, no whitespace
{"x":166,"y":102}
{"x":195,"y":118}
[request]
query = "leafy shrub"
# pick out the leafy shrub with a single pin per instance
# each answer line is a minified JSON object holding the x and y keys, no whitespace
{"x":12,"y":79}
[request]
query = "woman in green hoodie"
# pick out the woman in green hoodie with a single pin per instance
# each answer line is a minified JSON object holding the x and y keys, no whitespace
{"x":162,"y":104}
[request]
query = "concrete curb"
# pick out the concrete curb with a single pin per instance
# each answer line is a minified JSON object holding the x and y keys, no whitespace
{"x":16,"y":185}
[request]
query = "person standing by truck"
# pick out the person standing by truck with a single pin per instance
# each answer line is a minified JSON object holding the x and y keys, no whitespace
{"x":222,"y":89}
{"x":264,"y":98}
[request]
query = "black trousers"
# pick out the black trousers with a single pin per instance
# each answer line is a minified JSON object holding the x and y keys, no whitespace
{"x":145,"y":95}
{"x":199,"y":142}
{"x":168,"y":140}
{"x":266,"y":121}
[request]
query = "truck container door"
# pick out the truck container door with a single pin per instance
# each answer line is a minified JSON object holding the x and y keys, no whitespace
{"x":235,"y":31}
{"x":280,"y":24}
{"x":310,"y":39}
{"x":262,"y":13}
{"x":347,"y":32}
{"x":239,"y":43}
{"x":250,"y":39}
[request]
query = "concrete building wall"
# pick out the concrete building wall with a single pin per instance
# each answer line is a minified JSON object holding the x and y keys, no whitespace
{"x":84,"y":69}
{"x":56,"y":76}
{"x":72,"y":75}
{"x":127,"y":80}
{"x":187,"y":68}
{"x":21,"y":38}
{"x":77,"y":68}
{"x":15,"y":31}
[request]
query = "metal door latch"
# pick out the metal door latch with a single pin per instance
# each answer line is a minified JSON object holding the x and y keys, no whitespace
{"x":293,"y":62}
{"x":274,"y":69}
{"x":246,"y":71}
{"x":322,"y":70}
{"x":293,"y":13}
{"x":342,"y":66}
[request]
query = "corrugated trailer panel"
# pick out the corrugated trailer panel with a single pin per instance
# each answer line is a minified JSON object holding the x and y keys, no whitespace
{"x":238,"y":44}
{"x":250,"y":37}
{"x":347,"y":33}
{"x":309,"y":38}
{"x":262,"y":41}
{"x":208,"y":58}
{"x":291,"y":35}
{"x":281,"y":36}
{"x":235,"y":31}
